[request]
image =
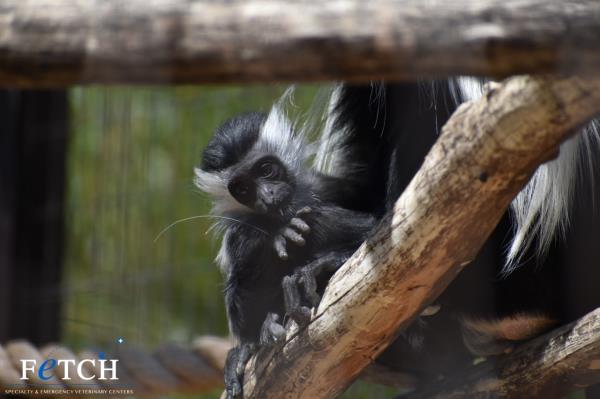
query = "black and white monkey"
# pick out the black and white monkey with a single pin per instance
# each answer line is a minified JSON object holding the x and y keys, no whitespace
{"x":374,"y":140}
{"x":287,"y":227}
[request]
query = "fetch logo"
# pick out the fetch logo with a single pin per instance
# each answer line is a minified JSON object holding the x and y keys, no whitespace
{"x":45,"y":373}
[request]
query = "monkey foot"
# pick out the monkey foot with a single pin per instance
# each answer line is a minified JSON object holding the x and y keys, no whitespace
{"x":235,"y":365}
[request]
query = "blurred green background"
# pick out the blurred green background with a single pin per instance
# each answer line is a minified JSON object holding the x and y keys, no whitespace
{"x":131,"y":156}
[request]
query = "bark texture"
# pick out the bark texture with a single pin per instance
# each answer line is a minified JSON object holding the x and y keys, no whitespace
{"x":67,"y":42}
{"x":486,"y":153}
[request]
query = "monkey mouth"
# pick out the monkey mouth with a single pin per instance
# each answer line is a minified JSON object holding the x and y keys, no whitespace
{"x":264,"y":207}
{"x":275,"y":208}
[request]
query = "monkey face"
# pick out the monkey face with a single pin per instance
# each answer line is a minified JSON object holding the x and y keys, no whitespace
{"x":264,"y":185}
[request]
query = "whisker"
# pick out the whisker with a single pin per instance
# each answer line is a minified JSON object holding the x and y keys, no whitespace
{"x":206,"y":217}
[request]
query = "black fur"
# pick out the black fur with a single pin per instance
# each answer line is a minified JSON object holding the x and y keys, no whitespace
{"x":561,"y":286}
{"x":231,"y":141}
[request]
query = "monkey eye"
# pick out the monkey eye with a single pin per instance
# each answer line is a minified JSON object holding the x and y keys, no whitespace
{"x":267,"y":169}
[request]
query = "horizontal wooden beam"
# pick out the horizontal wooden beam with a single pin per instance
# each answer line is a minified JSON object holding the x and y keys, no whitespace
{"x":69,"y":42}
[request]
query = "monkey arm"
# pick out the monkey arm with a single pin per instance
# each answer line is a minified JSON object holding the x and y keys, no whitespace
{"x":337,"y":229}
{"x":338,"y":232}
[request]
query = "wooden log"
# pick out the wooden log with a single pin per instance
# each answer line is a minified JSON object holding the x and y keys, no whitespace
{"x":486,"y":153}
{"x":550,"y":366}
{"x":67,"y":42}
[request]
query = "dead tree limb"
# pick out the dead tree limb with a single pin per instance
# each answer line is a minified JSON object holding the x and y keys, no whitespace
{"x":66,"y":42}
{"x":486,"y":153}
{"x":551,"y":366}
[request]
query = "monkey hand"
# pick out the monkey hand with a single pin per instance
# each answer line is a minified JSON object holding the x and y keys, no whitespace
{"x":301,"y":288}
{"x":295,"y":232}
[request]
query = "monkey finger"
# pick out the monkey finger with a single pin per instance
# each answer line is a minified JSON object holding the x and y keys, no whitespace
{"x":309,"y":282}
{"x":279,"y":244}
{"x":293,"y":236}
{"x":300,"y":225}
{"x":304,"y":211}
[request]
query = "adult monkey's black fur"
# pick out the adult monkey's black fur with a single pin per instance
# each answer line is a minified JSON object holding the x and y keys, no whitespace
{"x":387,"y":131}
{"x":486,"y":310}
{"x":484,"y":301}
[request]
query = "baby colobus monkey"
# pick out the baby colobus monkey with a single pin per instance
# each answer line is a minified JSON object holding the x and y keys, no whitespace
{"x":286,"y":228}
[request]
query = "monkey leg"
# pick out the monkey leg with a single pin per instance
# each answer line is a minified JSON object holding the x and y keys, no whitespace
{"x":294,"y":232}
{"x":272,"y":332}
{"x":235,"y":365}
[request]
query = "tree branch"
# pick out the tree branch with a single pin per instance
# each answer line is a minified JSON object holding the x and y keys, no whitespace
{"x":550,"y":366}
{"x":66,"y":42}
{"x":486,"y":153}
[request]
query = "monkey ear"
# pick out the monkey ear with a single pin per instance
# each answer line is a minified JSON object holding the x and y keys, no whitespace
{"x":494,"y":337}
